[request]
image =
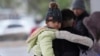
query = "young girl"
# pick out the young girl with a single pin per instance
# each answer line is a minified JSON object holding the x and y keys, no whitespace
{"x":40,"y":42}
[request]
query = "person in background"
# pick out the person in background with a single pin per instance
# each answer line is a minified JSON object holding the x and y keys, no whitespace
{"x":80,"y":11}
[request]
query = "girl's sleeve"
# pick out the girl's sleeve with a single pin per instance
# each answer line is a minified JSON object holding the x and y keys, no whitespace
{"x":46,"y":43}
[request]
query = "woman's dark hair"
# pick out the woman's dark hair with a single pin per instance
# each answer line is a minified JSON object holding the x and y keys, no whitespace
{"x":67,"y":14}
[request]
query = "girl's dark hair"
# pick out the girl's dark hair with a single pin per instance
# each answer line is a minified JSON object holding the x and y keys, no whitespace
{"x":67,"y":14}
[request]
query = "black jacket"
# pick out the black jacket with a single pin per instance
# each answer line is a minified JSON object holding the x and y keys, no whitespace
{"x":79,"y":24}
{"x":65,"y":48}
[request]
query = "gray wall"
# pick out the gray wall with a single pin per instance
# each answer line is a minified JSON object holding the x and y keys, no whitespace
{"x":95,"y":5}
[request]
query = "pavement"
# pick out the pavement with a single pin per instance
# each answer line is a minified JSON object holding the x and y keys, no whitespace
{"x":15,"y":48}
{"x":12,"y":43}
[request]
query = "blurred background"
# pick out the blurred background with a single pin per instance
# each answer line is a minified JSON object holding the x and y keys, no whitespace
{"x":19,"y":18}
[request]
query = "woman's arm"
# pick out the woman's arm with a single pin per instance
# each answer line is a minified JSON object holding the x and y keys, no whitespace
{"x":74,"y":38}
